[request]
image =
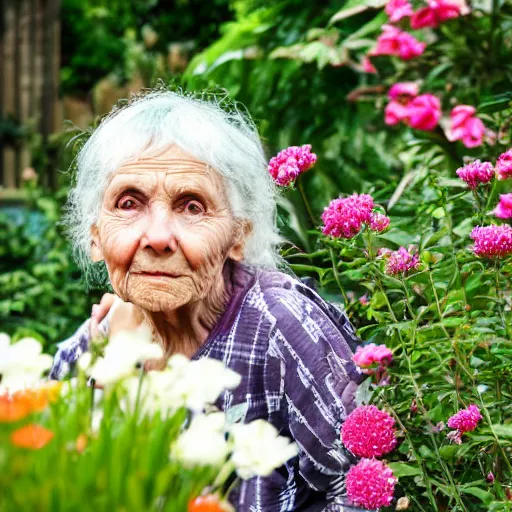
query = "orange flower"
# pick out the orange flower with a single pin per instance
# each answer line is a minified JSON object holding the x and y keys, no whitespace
{"x":20,"y":404}
{"x":32,"y":437}
{"x":13,"y":408}
{"x":81,"y":443}
{"x":208,"y":503}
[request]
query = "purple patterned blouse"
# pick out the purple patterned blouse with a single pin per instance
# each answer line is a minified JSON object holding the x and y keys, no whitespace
{"x":293,"y":350}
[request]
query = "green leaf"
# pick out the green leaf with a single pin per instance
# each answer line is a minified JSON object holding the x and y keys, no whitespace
{"x":401,"y":469}
{"x":484,"y":496}
{"x":503,"y":430}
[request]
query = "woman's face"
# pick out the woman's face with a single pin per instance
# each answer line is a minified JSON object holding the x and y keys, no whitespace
{"x":165,"y":230}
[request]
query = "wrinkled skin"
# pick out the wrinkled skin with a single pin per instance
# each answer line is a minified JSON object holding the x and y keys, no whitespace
{"x":165,"y":231}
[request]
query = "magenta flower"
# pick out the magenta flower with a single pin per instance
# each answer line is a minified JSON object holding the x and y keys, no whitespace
{"x":379,"y":222}
{"x":371,"y":354}
{"x":368,"y":67}
{"x":286,"y":166}
{"x":395,"y":112}
{"x":476,"y":173}
{"x":504,"y":166}
{"x":369,"y":432}
{"x":423,"y":112}
{"x":504,"y":208}
{"x":394,"y":41}
{"x":464,"y":421}
{"x":403,"y":90}
{"x":398,"y":9}
{"x":492,"y":241}
{"x":402,"y":261}
{"x":370,"y":484}
{"x":344,"y":217}
{"x":465,"y":126}
{"x":433,"y":15}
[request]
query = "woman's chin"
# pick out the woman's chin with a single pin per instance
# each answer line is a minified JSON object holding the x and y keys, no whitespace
{"x":154,"y":299}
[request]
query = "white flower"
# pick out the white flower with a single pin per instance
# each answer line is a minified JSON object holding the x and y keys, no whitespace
{"x":123,"y":353}
{"x":259,"y":449}
{"x":21,"y":363}
{"x":197,"y":383}
{"x":203,"y":443}
{"x":84,"y":361}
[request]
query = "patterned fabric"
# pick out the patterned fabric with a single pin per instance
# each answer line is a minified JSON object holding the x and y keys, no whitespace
{"x":294,"y":352}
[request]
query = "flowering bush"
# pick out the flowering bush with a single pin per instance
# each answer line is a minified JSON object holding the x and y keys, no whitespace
{"x":141,"y":442}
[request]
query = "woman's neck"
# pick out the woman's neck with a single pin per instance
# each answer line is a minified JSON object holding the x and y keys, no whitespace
{"x":187,"y":328}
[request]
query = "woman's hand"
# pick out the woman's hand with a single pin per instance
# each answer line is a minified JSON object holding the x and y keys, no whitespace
{"x":99,"y":312}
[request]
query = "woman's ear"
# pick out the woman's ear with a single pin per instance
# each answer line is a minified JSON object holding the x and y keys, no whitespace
{"x":96,"y":252}
{"x":242,"y":231}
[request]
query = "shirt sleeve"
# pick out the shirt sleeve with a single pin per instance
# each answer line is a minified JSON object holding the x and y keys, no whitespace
{"x":320,"y":380}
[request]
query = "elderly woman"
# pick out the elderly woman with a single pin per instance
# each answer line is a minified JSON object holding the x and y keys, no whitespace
{"x":172,"y":193}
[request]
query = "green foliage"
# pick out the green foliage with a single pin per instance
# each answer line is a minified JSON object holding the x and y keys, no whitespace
{"x":98,"y":36}
{"x":41,"y":290}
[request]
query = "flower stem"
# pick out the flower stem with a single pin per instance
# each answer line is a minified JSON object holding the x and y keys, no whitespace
{"x":306,"y":203}
{"x":500,"y":297}
{"x":336,"y":275}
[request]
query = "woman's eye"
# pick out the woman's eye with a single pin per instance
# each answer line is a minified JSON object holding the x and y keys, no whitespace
{"x":194,"y":207}
{"x":126,"y":204}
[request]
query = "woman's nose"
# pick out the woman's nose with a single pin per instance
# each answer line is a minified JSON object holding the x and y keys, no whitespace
{"x":159,"y":235}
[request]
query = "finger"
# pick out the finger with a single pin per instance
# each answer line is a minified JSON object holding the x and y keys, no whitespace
{"x":101,"y":310}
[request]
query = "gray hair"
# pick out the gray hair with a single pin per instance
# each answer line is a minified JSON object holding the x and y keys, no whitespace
{"x":226,"y":140}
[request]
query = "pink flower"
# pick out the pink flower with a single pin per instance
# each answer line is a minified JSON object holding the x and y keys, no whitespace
{"x":371,"y":354}
{"x":466,"y":127}
{"x":394,"y":41}
{"x":368,"y":67}
{"x":423,"y":112}
{"x":492,"y":241}
{"x":403,"y":90}
{"x":401,"y":261}
{"x":436,"y":12}
{"x":465,"y":420}
{"x":490,"y":477}
{"x":398,"y":9}
{"x":379,"y":222}
{"x":344,"y":217}
{"x":395,"y":112}
{"x":369,"y":432}
{"x":370,"y":484}
{"x":363,"y":300}
{"x":504,"y":166}
{"x":286,"y":166}
{"x":476,"y":173}
{"x":504,"y":208}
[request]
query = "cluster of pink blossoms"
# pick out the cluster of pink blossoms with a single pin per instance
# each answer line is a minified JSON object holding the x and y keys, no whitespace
{"x":344,"y":217}
{"x":435,"y":13}
{"x":464,"y":421}
{"x":286,"y":166}
{"x":372,"y":355}
{"x":504,"y":208}
{"x":369,"y":432}
{"x":466,"y":127}
{"x":402,"y":261}
{"x":421,"y":112}
{"x":492,"y":241}
{"x":504,"y":166}
{"x":370,"y":484}
{"x":394,"y":41}
{"x":398,"y":43}
{"x":476,"y":173}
